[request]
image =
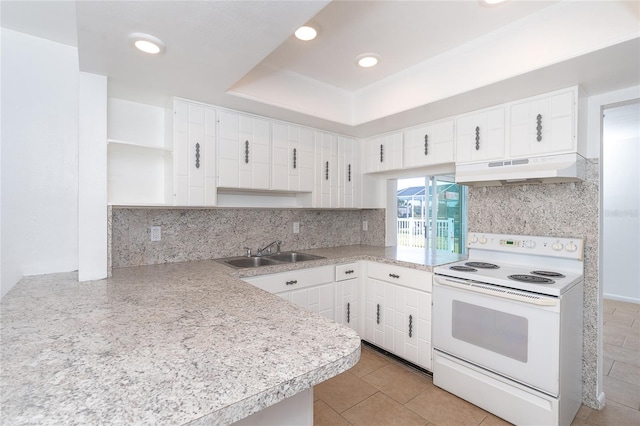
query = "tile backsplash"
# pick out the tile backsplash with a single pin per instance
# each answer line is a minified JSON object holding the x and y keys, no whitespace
{"x":560,"y":210}
{"x":196,"y":234}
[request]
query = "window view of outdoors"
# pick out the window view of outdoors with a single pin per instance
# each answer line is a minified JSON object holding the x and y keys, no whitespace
{"x":416,"y":208}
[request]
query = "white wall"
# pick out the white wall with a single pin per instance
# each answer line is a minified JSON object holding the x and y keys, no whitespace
{"x":621,"y":202}
{"x":39,"y":157}
{"x":92,"y":172}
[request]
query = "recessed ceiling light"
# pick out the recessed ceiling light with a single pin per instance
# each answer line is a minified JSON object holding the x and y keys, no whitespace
{"x":491,"y":2}
{"x":306,"y":33}
{"x":368,"y":60}
{"x":146,"y":43}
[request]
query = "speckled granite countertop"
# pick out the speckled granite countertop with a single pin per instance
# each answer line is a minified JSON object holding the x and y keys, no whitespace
{"x":168,"y":344}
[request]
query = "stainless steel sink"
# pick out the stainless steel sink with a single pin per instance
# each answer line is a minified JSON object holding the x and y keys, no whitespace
{"x":271,"y":259}
{"x":293,"y":257}
{"x":250,"y":262}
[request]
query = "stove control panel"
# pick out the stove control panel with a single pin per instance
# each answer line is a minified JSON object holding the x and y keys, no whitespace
{"x":571,"y":248}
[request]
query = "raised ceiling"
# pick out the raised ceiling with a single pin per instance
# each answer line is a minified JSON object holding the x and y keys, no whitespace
{"x":403,"y":33}
{"x":438,"y":57}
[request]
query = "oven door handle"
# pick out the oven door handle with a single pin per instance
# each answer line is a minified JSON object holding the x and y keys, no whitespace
{"x":503,"y":293}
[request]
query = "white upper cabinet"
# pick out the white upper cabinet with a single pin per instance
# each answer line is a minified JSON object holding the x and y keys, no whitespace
{"x":292,"y":153}
{"x":348,"y":173}
{"x":384,"y":153}
{"x":429,"y":144}
{"x":244,"y":151}
{"x":480,"y":135}
{"x":194,"y":154}
{"x":326,"y":191}
{"x":544,"y":124}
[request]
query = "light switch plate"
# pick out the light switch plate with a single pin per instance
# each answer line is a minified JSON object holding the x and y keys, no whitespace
{"x":296,"y":227}
{"x":365,"y":225}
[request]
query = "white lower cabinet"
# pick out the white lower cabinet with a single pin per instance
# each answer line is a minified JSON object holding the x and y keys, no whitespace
{"x":348,"y":295}
{"x":396,"y":315}
{"x":398,"y":311}
{"x":313,"y":289}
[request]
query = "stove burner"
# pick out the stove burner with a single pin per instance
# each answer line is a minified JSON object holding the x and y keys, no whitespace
{"x":531,"y":279}
{"x":548,"y":274}
{"x":463,"y":268}
{"x":482,"y":265}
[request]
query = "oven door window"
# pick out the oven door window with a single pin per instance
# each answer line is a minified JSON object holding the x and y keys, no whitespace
{"x":496,"y":331}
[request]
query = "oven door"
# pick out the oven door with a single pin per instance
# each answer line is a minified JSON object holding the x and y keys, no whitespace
{"x":512,"y":333}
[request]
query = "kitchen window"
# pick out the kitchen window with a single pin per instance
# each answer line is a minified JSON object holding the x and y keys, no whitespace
{"x":420,"y":201}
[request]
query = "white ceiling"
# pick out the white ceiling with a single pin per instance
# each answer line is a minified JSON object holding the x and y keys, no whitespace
{"x":403,"y":33}
{"x":438,"y":57}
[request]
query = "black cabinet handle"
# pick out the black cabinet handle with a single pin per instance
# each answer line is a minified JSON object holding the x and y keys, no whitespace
{"x":246,"y":152}
{"x":381,"y":153}
{"x":292,"y":282}
{"x":349,"y":173}
{"x":378,"y":314}
{"x":348,"y":312}
{"x":350,"y":271}
{"x":197,"y":155}
{"x":477,"y":138}
{"x":410,"y":325}
{"x":326,"y":171}
{"x":394,"y":276}
{"x":539,"y":127}
{"x":426,"y":144}
{"x":294,"y":158}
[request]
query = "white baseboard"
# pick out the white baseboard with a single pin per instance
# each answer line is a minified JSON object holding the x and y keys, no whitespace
{"x":601,"y":401}
{"x":621,"y":298}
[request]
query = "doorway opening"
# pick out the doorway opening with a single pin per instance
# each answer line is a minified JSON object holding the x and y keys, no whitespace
{"x":431,"y":213}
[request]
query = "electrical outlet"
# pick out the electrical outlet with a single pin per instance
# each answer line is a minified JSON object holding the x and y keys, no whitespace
{"x":365,"y":225}
{"x":296,"y":227}
{"x":156,"y":233}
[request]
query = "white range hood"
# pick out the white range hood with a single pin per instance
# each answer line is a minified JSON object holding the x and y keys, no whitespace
{"x":546,"y":169}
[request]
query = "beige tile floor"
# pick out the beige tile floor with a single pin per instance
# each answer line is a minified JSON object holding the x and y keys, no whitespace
{"x":382,"y":391}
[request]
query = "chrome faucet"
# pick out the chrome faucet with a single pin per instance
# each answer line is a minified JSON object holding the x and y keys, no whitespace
{"x":268,"y":248}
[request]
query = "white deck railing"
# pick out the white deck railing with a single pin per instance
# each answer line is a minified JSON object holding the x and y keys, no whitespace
{"x":411,"y":233}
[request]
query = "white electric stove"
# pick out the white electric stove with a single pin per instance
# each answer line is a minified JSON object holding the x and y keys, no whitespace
{"x":507,"y":327}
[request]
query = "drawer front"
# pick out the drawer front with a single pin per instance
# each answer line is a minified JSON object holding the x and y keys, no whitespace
{"x":286,"y":281}
{"x":347,"y":271}
{"x":412,"y":278}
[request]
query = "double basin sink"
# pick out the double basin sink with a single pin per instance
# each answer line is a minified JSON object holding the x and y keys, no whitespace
{"x":268,"y":260}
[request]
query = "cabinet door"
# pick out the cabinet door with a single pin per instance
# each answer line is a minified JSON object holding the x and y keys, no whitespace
{"x":319,"y":299}
{"x":292,"y":151}
{"x":284,"y":139}
{"x":326,"y":171}
{"x":428,"y":145}
{"x":304,"y":160}
{"x":412,"y":326}
{"x":347,"y":303}
{"x":374,"y":312}
{"x":194,"y":136}
{"x":423,"y":330}
{"x":229,"y":150}
{"x":244,"y":157}
{"x":480,"y":136}
{"x":255,"y":170}
{"x":384,"y":153}
{"x":348,"y":173}
{"x":543,"y":125}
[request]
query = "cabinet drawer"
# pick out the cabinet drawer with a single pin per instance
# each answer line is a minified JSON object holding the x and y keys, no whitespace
{"x":419,"y":280}
{"x":347,"y":271}
{"x":285,"y":281}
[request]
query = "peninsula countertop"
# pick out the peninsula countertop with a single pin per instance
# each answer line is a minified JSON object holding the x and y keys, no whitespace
{"x":168,"y":344}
